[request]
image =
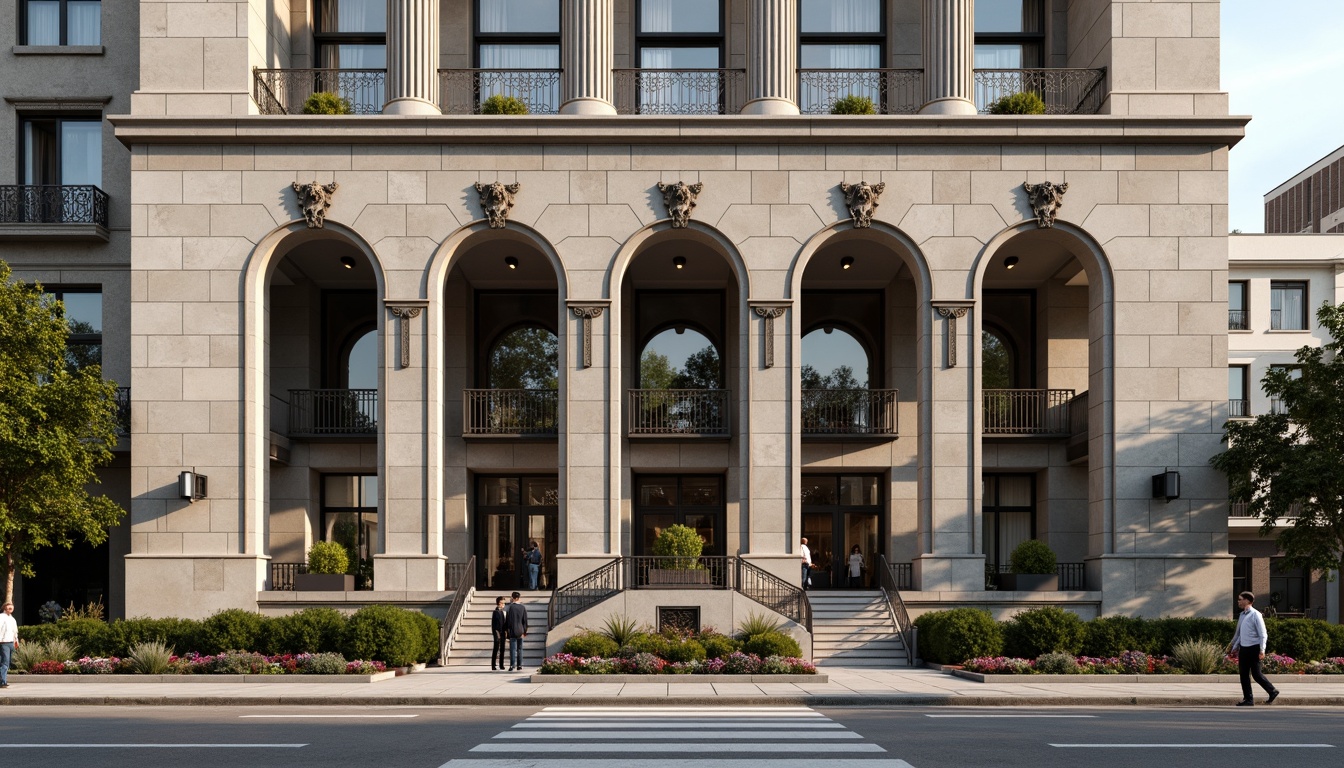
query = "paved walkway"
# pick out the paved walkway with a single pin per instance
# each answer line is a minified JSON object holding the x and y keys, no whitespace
{"x":846,"y":687}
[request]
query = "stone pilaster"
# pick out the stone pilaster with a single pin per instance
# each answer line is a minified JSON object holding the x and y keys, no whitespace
{"x":772,"y":64}
{"x":412,"y":57}
{"x":587,"y":58}
{"x":949,"y":57}
{"x":589,"y":445}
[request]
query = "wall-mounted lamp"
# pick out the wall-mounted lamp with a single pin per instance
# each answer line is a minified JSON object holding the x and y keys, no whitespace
{"x":192,"y":486}
{"x":847,"y":262}
{"x":679,"y":262}
{"x":510,"y":262}
{"x":1167,"y":485}
{"x":347,"y":262}
{"x":1010,"y":262}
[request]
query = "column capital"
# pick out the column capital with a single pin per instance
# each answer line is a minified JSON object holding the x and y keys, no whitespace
{"x":588,"y":311}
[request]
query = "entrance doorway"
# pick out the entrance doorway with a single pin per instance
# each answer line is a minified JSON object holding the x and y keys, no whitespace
{"x":841,"y":512}
{"x":511,"y":513}
{"x":693,"y":501}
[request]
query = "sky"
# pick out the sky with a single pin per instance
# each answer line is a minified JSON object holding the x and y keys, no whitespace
{"x":1282,"y":64}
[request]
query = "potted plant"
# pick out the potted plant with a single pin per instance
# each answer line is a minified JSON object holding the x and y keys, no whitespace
{"x":499,"y":104}
{"x":327,"y":566}
{"x":1033,"y":569}
{"x":327,"y":103}
{"x":1024,"y":103}
{"x":678,"y":550}
{"x":853,"y":104}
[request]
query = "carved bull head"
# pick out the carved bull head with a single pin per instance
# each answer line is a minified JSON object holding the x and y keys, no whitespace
{"x":680,"y":201}
{"x":496,"y":200}
{"x":1046,"y":200}
{"x":315,"y":199}
{"x":861,"y":200}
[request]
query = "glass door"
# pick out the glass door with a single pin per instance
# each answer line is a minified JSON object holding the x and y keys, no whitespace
{"x":498,"y":546}
{"x":693,"y":501}
{"x":511,"y":513}
{"x":841,"y":512}
{"x":861,"y":531}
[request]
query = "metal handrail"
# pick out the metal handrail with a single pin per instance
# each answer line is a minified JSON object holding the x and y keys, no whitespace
{"x":655,"y":572}
{"x":510,"y":412}
{"x":679,"y":91}
{"x":333,"y":412}
{"x":585,"y":592}
{"x":457,"y":609}
{"x":1027,"y":411}
{"x":680,"y":412}
{"x":282,"y":575}
{"x":1065,"y":91}
{"x":892,"y":91}
{"x":849,"y":412}
{"x":465,"y":91}
{"x":774,"y":593}
{"x":886,"y":579}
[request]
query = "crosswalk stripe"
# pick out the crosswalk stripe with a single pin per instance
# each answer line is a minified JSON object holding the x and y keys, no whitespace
{"x":705,"y":724}
{"x":654,"y":762}
{"x":668,"y":735}
{"x":663,"y":747}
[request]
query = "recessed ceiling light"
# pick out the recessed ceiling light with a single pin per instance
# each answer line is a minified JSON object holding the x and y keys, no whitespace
{"x":1010,"y":262}
{"x":510,"y":262}
{"x":847,"y":262}
{"x":679,"y":262}
{"x":347,"y":262}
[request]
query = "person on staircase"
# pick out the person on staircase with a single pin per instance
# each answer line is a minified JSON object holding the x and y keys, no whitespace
{"x":532,"y":556}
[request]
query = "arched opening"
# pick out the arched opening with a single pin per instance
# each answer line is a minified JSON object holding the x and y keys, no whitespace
{"x":680,"y":358}
{"x":361,"y":361}
{"x":998,"y":361}
{"x":525,"y":358}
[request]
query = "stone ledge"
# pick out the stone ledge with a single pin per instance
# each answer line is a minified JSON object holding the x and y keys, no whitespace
{"x":1148,"y":679}
{"x":24,"y":679}
{"x":537,"y":677}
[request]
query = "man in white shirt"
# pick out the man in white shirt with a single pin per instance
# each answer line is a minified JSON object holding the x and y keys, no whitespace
{"x":1249,"y":641}
{"x":807,"y":564}
{"x":9,"y":637}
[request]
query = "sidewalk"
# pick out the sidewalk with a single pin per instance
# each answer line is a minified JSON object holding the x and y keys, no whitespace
{"x":846,"y":687}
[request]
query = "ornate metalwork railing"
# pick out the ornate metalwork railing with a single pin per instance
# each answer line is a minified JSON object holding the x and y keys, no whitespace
{"x":1027,"y":411}
{"x":1078,"y":406}
{"x":333,"y":412}
{"x":283,"y":91}
{"x":1064,"y":91}
{"x":680,"y":91}
{"x":585,"y":592}
{"x":774,"y":593}
{"x":708,"y":572}
{"x":891,"y":590}
{"x":123,"y":401}
{"x":679,"y":412}
{"x":466,"y":585}
{"x":1243,"y":509}
{"x":904,"y":573}
{"x":1238,"y":320}
{"x":506,"y":412}
{"x":282,"y":575}
{"x":892,"y":91}
{"x":1072,"y":575}
{"x":1238,"y":409}
{"x":849,"y":411}
{"x":453,"y":574}
{"x":53,"y":204}
{"x":463,"y":91}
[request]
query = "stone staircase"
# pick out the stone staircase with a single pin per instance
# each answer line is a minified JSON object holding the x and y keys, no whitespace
{"x":471,"y":646}
{"x":854,"y":629}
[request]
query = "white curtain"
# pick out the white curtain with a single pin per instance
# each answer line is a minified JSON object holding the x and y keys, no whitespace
{"x":519,"y":56}
{"x":82,"y":152}
{"x":84,"y":22}
{"x":841,"y":16}
{"x":853,"y":57}
{"x":656,"y":15}
{"x":1288,"y":302}
{"x":1014,"y":528}
{"x":44,"y":22}
{"x":998,"y":56}
{"x":520,"y":15}
{"x":680,"y":16}
{"x":354,"y":15}
{"x":1015,"y":490}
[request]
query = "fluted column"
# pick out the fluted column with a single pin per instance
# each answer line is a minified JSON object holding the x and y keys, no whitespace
{"x":587,"y":57}
{"x":772,"y":58}
{"x":949,"y":57}
{"x":412,"y":57}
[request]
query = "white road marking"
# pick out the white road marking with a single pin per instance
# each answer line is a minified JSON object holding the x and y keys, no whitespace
{"x":352,"y":717}
{"x":1197,"y":746}
{"x":695,"y":734}
{"x":641,"y":723}
{"x":692,"y":762}
{"x":152,"y":746}
{"x":655,"y":747}
{"x":1004,"y":717}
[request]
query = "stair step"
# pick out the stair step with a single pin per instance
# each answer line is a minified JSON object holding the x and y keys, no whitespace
{"x":474,"y":644}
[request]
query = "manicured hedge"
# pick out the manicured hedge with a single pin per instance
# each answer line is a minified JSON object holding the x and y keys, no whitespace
{"x":949,"y":637}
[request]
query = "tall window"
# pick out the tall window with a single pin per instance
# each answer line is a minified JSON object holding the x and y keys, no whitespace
{"x":350,"y":518}
{"x":1238,"y":400}
{"x":1294,"y":372}
{"x":680,"y":34}
{"x":1009,"y":34}
{"x":680,"y":358}
{"x":84,"y":315}
{"x":1287,"y":306}
{"x":1009,"y":507}
{"x":518,"y":34}
{"x":833,"y":359}
{"x":845,"y":35}
{"x":61,"y":22}
{"x":59,"y":150}
{"x":352,"y":34}
{"x":1238,"y":306}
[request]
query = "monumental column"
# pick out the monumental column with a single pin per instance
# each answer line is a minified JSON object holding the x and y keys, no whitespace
{"x":772,"y":63}
{"x":587,"y":56}
{"x":949,"y":57}
{"x":412,"y":57}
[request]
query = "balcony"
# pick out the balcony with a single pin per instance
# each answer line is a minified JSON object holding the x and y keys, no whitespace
{"x":510,"y":412}
{"x":1072,"y":576}
{"x":848,"y":413}
{"x":1064,"y":91}
{"x":1028,"y":412}
{"x":1242,"y":511}
{"x":1239,"y":409}
{"x":1238,"y":320}
{"x":892,"y":91}
{"x":679,"y":413}
{"x":680,"y":91}
{"x":461,"y":91}
{"x":53,"y":212}
{"x":333,"y":413}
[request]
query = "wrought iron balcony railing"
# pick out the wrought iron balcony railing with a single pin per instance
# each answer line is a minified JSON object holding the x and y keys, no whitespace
{"x":849,"y":411}
{"x":509,"y":412}
{"x":1064,"y":91}
{"x":1027,"y":411}
{"x":1072,"y":576}
{"x":679,"y":412}
{"x":1238,"y":320}
{"x":892,"y":91}
{"x":680,"y":91}
{"x":1239,"y":409}
{"x":283,"y":91}
{"x":333,"y":412}
{"x":903,"y":574}
{"x":53,"y":204}
{"x":463,"y":91}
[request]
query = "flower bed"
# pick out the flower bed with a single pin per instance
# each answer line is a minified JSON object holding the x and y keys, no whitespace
{"x":1138,"y":663}
{"x":228,"y":663}
{"x":736,"y":663}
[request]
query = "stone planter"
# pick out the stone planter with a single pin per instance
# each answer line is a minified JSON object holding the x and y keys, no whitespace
{"x":324,"y":582}
{"x":668,"y":578}
{"x":1029,"y":582}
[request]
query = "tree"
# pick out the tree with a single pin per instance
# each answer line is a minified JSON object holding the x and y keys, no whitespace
{"x":655,"y":372}
{"x":57,"y":426}
{"x":526,"y":358}
{"x":700,"y":372}
{"x":1286,"y":464}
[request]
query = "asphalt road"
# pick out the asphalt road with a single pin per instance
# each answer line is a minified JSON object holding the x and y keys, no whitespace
{"x":668,"y":737}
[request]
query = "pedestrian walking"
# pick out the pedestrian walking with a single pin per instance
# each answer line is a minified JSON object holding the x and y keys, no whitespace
{"x":532,"y":556}
{"x":1249,"y":642}
{"x":807,"y":563}
{"x":9,"y":637}
{"x":855,"y":567}
{"x":517,"y":621}
{"x":499,"y":629}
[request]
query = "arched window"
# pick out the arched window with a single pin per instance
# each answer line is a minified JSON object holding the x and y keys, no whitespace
{"x":525,"y":358}
{"x":833,"y":359}
{"x":996,"y":372}
{"x":680,"y":358}
{"x":361,"y":363}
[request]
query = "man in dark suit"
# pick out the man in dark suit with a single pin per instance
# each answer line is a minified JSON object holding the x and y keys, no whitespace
{"x":499,"y":628}
{"x":517,"y":621}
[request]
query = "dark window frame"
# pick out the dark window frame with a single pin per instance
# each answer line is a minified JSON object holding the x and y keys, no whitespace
{"x":680,"y":510}
{"x":1245,"y":399}
{"x":711,"y":334}
{"x":1003,"y":558}
{"x":1244,"y":323}
{"x":1306,"y":304}
{"x":1025,"y":39}
{"x":323,"y":39}
{"x":480,"y":38}
{"x":24,"y":119}
{"x":878,"y":38}
{"x":681,"y":39}
{"x":65,"y":23}
{"x":363,"y":577}
{"x":59,"y":292}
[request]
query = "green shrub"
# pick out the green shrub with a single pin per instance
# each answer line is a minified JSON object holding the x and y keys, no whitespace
{"x":230,"y":630}
{"x":951,"y":637}
{"x":1110,"y":636}
{"x":1026,"y":103}
{"x":312,"y":630}
{"x":1336,"y":632}
{"x":1165,"y":633}
{"x":684,"y":649}
{"x":1056,"y":664}
{"x":429,"y":636}
{"x":620,"y":628}
{"x":757,"y":624}
{"x":1043,"y":630}
{"x":718,"y":646}
{"x":1303,"y":639}
{"x":645,"y":643}
{"x":1198,"y":657}
{"x":1033,"y":556}
{"x":499,"y":104}
{"x":383,"y":633}
{"x":327,"y":103}
{"x":327,"y":557}
{"x":588,"y":643}
{"x":36,"y":634}
{"x":772,"y":644}
{"x":679,"y":546}
{"x":853,"y":105}
{"x":152,"y":657}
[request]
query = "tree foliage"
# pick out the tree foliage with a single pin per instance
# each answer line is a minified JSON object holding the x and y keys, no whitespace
{"x":1286,"y":464}
{"x":525,"y":358}
{"x":842,"y":377}
{"x":701,"y":370}
{"x":57,"y":426}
